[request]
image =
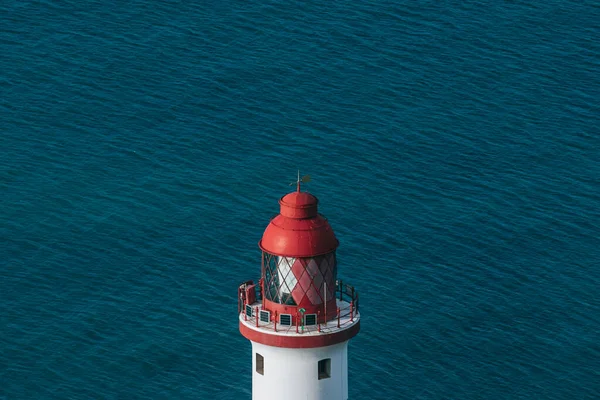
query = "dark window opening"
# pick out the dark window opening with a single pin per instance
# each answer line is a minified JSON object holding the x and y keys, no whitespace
{"x":265,"y":316}
{"x":310,"y":319}
{"x":285,"y":319}
{"x":260,"y":364}
{"x":325,"y":368}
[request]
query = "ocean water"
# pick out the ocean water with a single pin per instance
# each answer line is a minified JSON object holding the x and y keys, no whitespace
{"x":454,"y":147}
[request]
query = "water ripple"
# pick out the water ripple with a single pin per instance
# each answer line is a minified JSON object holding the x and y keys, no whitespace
{"x":453,"y":149}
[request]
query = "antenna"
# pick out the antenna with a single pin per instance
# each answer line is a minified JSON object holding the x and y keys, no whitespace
{"x":304,"y":179}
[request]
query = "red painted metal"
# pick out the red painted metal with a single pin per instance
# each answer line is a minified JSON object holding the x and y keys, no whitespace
{"x":298,"y":205}
{"x":299,"y":230}
{"x":299,"y":342}
{"x":251,"y":294}
{"x":242,"y":300}
{"x":298,"y":237}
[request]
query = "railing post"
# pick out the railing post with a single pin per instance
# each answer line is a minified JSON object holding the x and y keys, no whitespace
{"x":297,"y":319}
{"x":275,"y":321}
{"x":351,"y":311}
{"x":245,"y":314}
{"x":261,"y":291}
{"x":338,"y":317}
{"x":256,"y":316}
{"x":318,"y":322}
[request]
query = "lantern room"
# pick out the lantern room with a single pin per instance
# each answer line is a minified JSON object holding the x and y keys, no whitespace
{"x":298,"y":260}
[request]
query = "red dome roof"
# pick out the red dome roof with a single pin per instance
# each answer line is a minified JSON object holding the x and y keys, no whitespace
{"x":298,"y":205}
{"x":299,"y":230}
{"x":299,"y":199}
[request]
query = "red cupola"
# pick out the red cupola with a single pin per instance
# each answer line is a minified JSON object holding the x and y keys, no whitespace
{"x":298,"y":259}
{"x":299,"y":230}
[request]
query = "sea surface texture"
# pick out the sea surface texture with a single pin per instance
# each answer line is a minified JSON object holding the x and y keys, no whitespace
{"x":454,"y":148}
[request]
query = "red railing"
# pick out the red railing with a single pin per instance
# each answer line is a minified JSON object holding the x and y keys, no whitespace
{"x":343,"y":292}
{"x":347,"y":293}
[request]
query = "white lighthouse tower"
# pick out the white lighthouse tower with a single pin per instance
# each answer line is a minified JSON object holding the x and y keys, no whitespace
{"x":299,"y":316}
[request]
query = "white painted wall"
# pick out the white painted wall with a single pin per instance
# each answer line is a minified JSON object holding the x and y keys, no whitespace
{"x":292,"y":374}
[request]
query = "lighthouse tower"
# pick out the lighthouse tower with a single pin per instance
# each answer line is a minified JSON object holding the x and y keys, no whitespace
{"x":299,"y":316}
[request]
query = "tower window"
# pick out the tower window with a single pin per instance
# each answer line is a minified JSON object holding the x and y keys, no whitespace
{"x":285,"y":319}
{"x":265,"y":316}
{"x":260,"y":364}
{"x":325,"y":368}
{"x":310,"y":319}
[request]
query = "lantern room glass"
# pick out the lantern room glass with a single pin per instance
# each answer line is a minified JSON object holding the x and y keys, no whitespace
{"x":286,"y":277}
{"x":299,"y":281}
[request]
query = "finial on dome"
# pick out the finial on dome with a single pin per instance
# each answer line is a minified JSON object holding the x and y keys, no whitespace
{"x":304,"y":179}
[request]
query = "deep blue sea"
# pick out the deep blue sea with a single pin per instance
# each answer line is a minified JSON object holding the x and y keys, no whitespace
{"x":454,"y":148}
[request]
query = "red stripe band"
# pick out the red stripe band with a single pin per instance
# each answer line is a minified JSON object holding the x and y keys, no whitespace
{"x":299,"y":342}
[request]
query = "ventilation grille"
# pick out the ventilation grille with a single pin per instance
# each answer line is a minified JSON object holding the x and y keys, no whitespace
{"x":310,"y":319}
{"x":265,"y":316}
{"x":248,"y":310}
{"x":285,"y":319}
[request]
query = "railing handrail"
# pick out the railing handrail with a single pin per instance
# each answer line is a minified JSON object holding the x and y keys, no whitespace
{"x":341,"y":319}
{"x":343,"y":292}
{"x":347,"y":293}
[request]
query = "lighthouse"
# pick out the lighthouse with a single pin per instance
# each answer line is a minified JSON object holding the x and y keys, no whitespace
{"x":299,"y":316}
